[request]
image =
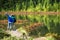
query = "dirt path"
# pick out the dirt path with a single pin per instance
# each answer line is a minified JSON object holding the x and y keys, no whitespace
{"x":14,"y":33}
{"x":40,"y":38}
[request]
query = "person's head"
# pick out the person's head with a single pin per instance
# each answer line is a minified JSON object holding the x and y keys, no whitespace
{"x":12,"y":14}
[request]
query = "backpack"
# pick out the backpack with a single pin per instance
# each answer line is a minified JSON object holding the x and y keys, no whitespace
{"x":14,"y":19}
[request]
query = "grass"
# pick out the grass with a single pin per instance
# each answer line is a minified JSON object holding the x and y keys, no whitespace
{"x":50,"y":38}
{"x":51,"y":22}
{"x":31,"y":5}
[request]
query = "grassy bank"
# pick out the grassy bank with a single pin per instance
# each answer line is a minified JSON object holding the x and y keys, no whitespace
{"x":51,"y":22}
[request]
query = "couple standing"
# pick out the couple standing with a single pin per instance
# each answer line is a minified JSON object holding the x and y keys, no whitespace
{"x":11,"y":21}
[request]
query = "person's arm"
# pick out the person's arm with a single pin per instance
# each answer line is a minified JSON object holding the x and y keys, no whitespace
{"x":7,"y":14}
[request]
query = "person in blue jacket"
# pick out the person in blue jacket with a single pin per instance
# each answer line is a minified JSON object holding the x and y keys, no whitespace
{"x":10,"y":21}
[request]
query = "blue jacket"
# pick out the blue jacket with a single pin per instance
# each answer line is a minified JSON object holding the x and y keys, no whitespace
{"x":10,"y":19}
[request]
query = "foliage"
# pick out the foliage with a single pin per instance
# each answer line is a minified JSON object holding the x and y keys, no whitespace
{"x":29,"y":5}
{"x":0,"y":17}
{"x":3,"y":34}
{"x":50,"y":38}
{"x":15,"y":38}
{"x":51,"y":24}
